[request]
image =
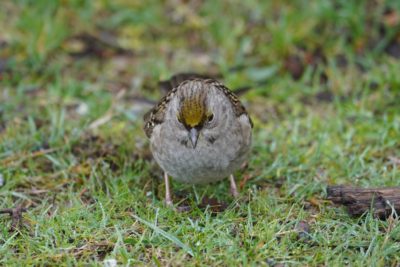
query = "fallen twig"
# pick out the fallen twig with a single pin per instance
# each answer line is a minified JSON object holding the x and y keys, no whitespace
{"x":382,"y":201}
{"x":16,"y":216}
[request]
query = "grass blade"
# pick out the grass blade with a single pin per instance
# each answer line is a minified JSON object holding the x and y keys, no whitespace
{"x":165,"y":234}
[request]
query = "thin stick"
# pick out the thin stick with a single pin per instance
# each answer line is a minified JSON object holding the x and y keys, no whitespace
{"x":16,"y":216}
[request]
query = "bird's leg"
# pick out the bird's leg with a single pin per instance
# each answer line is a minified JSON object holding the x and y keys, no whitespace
{"x":234,"y":190}
{"x":168,"y":199}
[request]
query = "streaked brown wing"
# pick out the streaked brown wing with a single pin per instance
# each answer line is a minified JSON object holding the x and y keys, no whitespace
{"x":157,"y":113}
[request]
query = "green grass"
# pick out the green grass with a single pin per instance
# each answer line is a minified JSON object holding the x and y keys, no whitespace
{"x":325,"y":100}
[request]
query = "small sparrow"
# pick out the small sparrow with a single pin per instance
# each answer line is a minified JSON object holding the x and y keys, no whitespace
{"x":199,"y":133}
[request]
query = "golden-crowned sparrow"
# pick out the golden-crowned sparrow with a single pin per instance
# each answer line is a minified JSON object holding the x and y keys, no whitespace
{"x":199,"y":133}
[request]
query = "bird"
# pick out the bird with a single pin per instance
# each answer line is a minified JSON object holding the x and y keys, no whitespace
{"x":199,"y":133}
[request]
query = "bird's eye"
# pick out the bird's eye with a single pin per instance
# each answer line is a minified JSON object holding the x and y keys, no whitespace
{"x":179,"y":119}
{"x":210,"y":117}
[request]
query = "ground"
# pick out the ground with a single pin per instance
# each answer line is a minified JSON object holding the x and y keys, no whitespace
{"x":319,"y":78}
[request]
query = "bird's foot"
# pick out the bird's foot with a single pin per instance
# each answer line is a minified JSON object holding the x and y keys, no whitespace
{"x":168,"y":198}
{"x":234,"y":190}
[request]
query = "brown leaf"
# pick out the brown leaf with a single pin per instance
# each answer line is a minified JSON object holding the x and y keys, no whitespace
{"x":243,"y":182}
{"x":294,"y":65}
{"x":324,"y":96}
{"x":101,"y":45}
{"x":315,"y":202}
{"x":391,"y":18}
{"x":213,"y":205}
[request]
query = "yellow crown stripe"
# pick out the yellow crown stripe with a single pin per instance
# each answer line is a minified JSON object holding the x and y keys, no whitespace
{"x":192,"y":111}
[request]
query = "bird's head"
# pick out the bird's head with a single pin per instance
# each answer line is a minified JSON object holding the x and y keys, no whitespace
{"x":194,"y":114}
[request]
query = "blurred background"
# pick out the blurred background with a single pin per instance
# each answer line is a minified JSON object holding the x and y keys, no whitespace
{"x":75,"y":50}
{"x":319,"y":78}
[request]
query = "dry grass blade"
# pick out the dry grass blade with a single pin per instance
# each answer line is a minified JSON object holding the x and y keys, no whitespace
{"x":24,"y":156}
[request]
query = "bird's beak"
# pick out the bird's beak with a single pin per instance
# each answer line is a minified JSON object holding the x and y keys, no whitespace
{"x":193,"y":135}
